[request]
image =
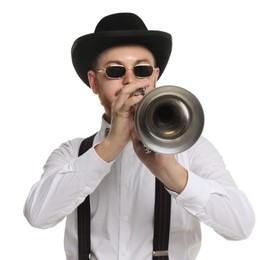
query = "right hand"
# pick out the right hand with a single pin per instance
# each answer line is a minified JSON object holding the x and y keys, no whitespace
{"x":122,"y":113}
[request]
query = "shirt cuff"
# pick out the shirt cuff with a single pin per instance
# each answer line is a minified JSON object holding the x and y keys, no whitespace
{"x":195,"y":195}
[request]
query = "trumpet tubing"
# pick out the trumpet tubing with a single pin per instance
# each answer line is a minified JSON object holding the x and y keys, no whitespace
{"x":169,"y":120}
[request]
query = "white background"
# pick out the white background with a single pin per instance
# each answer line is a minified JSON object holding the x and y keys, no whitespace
{"x":224,"y":52}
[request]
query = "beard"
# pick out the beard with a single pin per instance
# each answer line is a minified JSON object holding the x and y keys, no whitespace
{"x":107,"y":107}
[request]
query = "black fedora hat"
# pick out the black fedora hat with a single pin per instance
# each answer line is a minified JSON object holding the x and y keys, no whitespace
{"x":118,"y":29}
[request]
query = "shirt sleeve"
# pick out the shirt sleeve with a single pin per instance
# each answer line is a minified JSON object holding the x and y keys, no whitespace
{"x":67,"y":180}
{"x":212,"y":196}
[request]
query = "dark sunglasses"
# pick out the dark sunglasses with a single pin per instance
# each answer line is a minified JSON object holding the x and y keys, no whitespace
{"x":118,"y":71}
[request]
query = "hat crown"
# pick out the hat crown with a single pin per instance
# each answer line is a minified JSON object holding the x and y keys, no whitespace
{"x":120,"y":22}
{"x":119,"y":29}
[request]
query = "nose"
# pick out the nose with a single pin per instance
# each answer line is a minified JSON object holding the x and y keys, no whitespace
{"x":129,"y":76}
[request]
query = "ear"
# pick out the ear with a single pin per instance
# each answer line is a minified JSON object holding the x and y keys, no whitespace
{"x":92,"y":81}
{"x":157,"y":71}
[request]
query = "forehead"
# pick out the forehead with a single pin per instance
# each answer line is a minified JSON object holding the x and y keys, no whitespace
{"x":125,"y":53}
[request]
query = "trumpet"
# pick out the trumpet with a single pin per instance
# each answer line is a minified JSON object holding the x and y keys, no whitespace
{"x":168,"y":120}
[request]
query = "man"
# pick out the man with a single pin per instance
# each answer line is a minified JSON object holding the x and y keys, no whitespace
{"x":116,"y":61}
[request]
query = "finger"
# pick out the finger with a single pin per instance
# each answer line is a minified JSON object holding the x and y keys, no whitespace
{"x":132,"y":101}
{"x":135,"y":87}
{"x":126,"y":101}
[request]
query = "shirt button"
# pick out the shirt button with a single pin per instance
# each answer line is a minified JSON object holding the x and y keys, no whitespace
{"x":125,"y":184}
{"x":125,"y":218}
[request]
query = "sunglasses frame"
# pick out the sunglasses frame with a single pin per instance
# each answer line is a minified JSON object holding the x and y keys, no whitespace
{"x":126,"y":69}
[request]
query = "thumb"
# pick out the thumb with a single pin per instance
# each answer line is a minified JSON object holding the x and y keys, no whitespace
{"x":137,"y":144}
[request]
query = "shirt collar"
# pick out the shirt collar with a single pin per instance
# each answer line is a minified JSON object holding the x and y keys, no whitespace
{"x":104,"y":125}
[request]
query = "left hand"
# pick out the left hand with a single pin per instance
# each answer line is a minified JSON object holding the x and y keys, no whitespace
{"x":164,"y":166}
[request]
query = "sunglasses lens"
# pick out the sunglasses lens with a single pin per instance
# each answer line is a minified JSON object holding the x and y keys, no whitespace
{"x":115,"y":71}
{"x":143,"y":71}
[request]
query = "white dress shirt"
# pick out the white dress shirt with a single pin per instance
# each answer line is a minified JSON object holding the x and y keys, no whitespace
{"x":122,"y":201}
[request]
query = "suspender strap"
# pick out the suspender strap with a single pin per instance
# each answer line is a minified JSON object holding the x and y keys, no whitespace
{"x":162,"y":211}
{"x":84,"y":229}
{"x":162,"y":216}
{"x":84,"y":213}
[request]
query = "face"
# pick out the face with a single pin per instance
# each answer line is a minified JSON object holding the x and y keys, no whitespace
{"x":128,"y":56}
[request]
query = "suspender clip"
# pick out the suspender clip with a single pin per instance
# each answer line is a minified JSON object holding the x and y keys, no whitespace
{"x":160,"y":253}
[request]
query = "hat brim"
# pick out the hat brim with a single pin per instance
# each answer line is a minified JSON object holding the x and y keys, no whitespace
{"x":86,"y":48}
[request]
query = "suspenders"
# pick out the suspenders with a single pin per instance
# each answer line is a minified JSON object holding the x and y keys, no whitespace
{"x":162,"y":211}
{"x":162,"y":217}
{"x":84,"y":212}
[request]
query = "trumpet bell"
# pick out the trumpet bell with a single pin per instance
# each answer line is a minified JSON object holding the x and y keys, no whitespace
{"x":169,"y":120}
